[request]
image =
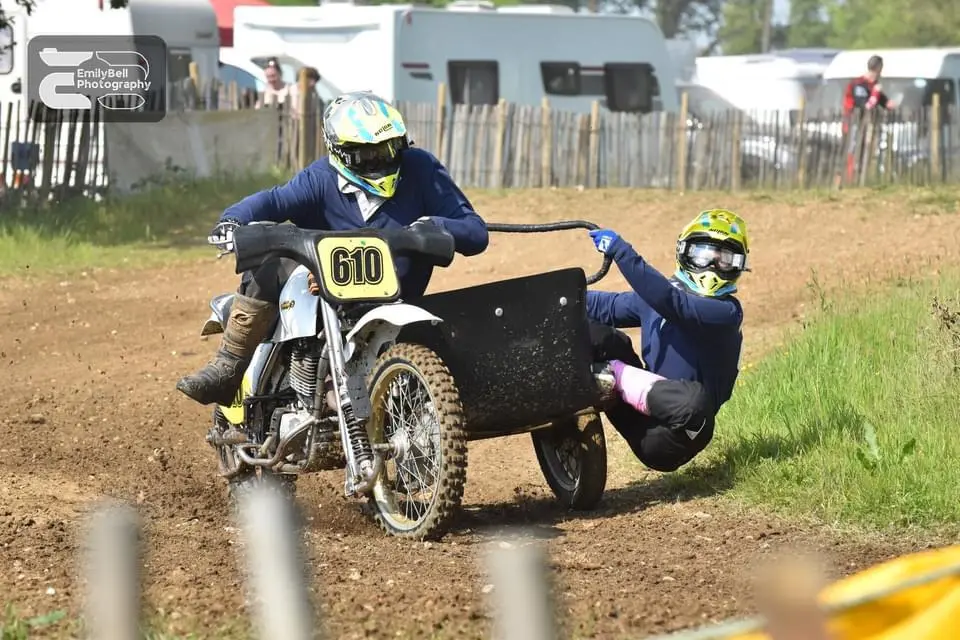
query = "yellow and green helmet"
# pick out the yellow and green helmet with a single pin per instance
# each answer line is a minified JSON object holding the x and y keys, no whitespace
{"x":365,"y":136}
{"x":712,"y":253}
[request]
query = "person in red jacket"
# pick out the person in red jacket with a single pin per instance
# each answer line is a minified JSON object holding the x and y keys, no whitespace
{"x":863,"y":93}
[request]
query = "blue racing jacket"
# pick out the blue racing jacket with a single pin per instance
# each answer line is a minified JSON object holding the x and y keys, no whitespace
{"x":684,"y":336}
{"x":312,"y":199}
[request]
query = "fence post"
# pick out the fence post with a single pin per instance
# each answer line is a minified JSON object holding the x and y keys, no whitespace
{"x":521,"y":599}
{"x":546,"y":158}
{"x":441,"y":121}
{"x":112,"y":570}
{"x":682,"y":143}
{"x":195,"y":83}
{"x":935,"y":173}
{"x":593,"y":161}
{"x":276,"y":566}
{"x":498,"y":144}
{"x":303,"y":128}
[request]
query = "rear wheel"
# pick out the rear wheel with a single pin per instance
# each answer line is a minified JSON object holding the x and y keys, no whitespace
{"x":573,"y":458}
{"x":416,"y":409}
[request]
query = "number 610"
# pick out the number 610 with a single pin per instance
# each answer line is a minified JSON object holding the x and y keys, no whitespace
{"x":363,"y":265}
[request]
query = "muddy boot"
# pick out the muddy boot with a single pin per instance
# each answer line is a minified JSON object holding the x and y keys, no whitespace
{"x":250,"y":320}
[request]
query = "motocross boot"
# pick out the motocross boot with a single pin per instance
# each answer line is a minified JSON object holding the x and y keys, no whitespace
{"x":250,"y":320}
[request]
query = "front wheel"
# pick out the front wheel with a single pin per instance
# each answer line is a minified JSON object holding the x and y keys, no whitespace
{"x":416,"y":409}
{"x":573,"y":458}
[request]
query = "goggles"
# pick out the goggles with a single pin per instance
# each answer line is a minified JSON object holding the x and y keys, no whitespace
{"x":373,"y":160}
{"x":705,"y":255}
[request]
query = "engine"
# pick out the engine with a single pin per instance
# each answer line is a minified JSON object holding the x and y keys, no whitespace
{"x":305,"y":370}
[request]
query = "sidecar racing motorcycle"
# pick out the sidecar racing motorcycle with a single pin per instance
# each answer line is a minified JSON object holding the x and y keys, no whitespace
{"x":391,"y":391}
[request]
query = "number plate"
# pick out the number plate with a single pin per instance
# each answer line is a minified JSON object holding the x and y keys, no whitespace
{"x":357,"y":269}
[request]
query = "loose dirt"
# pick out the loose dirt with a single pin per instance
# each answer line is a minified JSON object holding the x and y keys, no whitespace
{"x":90,"y":360}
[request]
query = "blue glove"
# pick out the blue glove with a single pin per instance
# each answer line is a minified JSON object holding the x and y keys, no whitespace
{"x":604,"y":239}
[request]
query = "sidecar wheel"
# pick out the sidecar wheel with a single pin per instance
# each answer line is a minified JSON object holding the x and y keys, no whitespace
{"x":573,"y":458}
{"x":416,"y":408}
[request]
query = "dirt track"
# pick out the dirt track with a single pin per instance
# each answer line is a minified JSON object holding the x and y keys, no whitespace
{"x":89,"y":363}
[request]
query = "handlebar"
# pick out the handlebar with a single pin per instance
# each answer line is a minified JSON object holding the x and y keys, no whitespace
{"x":565,"y":225}
{"x":255,"y":243}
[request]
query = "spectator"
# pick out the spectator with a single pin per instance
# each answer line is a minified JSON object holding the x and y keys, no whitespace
{"x":277,"y":92}
{"x":862,"y":94}
{"x":313,"y":77}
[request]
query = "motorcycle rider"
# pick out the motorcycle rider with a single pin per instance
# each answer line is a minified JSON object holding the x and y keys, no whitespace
{"x":372,"y":177}
{"x":691,"y":338}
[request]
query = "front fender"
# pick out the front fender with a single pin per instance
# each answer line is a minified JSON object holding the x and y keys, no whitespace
{"x":381,"y":325}
{"x":298,"y":308}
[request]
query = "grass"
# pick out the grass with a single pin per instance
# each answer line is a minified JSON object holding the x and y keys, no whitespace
{"x":166,"y":223}
{"x":854,"y":422}
{"x":14,"y":626}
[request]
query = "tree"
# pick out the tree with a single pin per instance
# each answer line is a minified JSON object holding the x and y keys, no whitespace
{"x":863,"y":24}
{"x":30,"y":5}
{"x":742,"y":28}
{"x":808,"y":24}
{"x":675,"y":17}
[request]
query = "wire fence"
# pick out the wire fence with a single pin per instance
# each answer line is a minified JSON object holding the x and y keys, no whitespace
{"x":506,"y":145}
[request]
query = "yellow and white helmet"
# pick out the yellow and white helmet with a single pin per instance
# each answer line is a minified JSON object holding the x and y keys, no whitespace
{"x":712,"y":253}
{"x":365,"y":136}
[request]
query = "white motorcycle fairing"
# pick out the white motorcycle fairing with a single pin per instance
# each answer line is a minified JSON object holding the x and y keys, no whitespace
{"x":378,"y":327}
{"x":298,"y":310}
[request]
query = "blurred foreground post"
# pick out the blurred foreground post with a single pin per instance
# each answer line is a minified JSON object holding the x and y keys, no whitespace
{"x":787,"y":595}
{"x":521,"y":600}
{"x":113,"y":574}
{"x":275,"y":564}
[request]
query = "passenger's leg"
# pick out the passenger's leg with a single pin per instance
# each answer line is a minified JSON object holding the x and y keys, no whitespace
{"x":668,"y":426}
{"x":251,"y":316}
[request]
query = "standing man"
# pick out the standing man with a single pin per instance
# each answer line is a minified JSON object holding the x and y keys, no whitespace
{"x":862,"y":94}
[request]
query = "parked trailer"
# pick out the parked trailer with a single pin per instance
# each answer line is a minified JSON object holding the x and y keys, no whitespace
{"x":188,"y":27}
{"x":403,"y":52}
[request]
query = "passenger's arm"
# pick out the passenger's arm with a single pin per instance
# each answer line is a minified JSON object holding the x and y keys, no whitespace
{"x":299,"y":201}
{"x":671,"y":303}
{"x":449,"y":207}
{"x":615,"y":309}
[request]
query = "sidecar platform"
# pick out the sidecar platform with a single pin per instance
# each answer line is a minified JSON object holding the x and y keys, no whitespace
{"x":519,"y":350}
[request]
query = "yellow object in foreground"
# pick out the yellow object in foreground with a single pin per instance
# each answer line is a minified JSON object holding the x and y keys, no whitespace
{"x":925,"y":610}
{"x":913,"y":597}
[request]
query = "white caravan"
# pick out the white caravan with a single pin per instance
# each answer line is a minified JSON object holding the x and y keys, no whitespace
{"x":769,"y":87}
{"x":189,"y":28}
{"x":403,"y":52}
{"x":248,"y":72}
{"x":910,"y":76}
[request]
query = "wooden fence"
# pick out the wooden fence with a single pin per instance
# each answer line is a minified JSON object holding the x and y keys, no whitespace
{"x":507,"y":145}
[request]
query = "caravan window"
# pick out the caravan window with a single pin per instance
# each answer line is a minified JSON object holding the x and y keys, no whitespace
{"x":631,"y":87}
{"x":178,"y":65}
{"x":560,"y":78}
{"x":593,"y":82}
{"x":570,"y":79}
{"x":474,"y":81}
{"x":6,"y":50}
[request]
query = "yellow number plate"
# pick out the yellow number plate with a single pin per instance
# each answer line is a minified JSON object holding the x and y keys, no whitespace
{"x":357,"y":269}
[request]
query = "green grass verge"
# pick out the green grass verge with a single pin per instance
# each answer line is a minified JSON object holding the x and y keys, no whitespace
{"x":163,"y":224}
{"x":853,"y":422}
{"x":57,"y":624}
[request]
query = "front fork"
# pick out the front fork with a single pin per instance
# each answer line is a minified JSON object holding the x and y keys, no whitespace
{"x":353,"y":411}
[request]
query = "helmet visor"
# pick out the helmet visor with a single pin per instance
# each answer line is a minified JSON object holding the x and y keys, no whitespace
{"x":373,"y":160}
{"x":704,"y":255}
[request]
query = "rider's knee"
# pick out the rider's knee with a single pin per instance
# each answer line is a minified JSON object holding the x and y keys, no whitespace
{"x":666,"y":449}
{"x":267,"y":281}
{"x":680,"y":404}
